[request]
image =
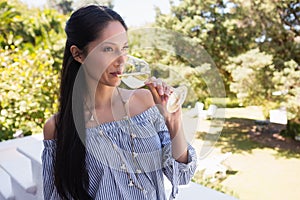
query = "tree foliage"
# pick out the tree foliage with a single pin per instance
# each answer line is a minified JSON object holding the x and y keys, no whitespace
{"x":251,"y":73}
{"x":31,"y":46}
{"x":254,"y":44}
{"x":287,"y":81}
{"x":62,"y":6}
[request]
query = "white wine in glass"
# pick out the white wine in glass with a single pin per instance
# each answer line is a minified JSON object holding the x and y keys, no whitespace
{"x":137,"y":71}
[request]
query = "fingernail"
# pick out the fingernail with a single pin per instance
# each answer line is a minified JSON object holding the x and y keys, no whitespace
{"x":166,"y":98}
{"x":161,"y":92}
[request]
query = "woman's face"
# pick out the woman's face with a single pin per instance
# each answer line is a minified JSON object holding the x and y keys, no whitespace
{"x":107,"y":55}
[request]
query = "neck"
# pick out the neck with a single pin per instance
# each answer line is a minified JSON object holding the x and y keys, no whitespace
{"x":101,"y":96}
{"x":104,"y":96}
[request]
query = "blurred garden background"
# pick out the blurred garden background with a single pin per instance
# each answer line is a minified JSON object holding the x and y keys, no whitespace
{"x":255,"y":45}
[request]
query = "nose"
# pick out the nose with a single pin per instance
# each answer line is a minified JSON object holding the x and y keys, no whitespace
{"x":120,"y":61}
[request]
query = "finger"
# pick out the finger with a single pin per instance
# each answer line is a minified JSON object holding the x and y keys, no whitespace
{"x":156,"y":96}
{"x":165,"y":92}
{"x":166,"y":89}
{"x":154,"y":81}
{"x":157,"y":83}
{"x":160,"y":87}
{"x":151,"y":80}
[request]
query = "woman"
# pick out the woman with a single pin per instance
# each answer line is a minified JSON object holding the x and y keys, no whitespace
{"x":106,"y":142}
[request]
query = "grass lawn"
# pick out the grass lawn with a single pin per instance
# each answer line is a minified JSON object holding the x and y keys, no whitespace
{"x":263,"y":165}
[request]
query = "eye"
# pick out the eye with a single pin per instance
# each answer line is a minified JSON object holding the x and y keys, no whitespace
{"x":125,"y":48}
{"x":108,"y":49}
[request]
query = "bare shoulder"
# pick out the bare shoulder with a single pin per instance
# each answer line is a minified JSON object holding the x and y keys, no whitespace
{"x":139,"y":100}
{"x":49,"y":128}
{"x":145,"y":97}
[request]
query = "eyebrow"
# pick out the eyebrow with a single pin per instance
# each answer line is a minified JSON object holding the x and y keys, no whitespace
{"x":126,"y":43}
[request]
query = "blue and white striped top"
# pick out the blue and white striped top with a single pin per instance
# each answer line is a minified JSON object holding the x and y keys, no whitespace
{"x":107,"y":177}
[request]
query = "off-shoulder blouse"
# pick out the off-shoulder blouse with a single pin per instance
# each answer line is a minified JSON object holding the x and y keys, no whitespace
{"x":152,"y":159}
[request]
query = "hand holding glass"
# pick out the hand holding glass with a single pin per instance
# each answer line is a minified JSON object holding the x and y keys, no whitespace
{"x":137,"y":71}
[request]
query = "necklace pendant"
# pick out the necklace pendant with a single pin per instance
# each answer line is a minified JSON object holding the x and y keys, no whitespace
{"x":115,"y":146}
{"x":134,"y":154}
{"x":130,"y":183}
{"x":92,"y":118}
{"x":100,"y":132}
{"x":133,"y":135}
{"x":123,"y":166}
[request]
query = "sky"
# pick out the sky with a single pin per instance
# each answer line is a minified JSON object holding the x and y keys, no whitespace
{"x":134,"y":12}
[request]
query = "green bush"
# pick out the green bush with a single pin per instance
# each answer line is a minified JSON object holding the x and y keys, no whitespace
{"x":31,"y":46}
{"x":27,"y":91}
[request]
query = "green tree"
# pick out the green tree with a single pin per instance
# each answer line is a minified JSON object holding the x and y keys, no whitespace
{"x":31,"y":46}
{"x":287,"y":83}
{"x":277,"y":27}
{"x":227,"y":28}
{"x":252,"y":74}
{"x":62,"y":6}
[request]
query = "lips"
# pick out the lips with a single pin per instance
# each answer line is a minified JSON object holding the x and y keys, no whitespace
{"x":115,"y":73}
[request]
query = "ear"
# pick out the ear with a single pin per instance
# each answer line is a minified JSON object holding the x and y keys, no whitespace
{"x":77,"y":54}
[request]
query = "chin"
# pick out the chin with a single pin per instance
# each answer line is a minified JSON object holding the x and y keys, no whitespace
{"x":115,"y":84}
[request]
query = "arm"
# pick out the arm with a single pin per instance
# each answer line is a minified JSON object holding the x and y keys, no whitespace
{"x":49,"y":129}
{"x":179,"y":158}
{"x":177,"y":172}
{"x":160,"y":93}
{"x":48,"y":156}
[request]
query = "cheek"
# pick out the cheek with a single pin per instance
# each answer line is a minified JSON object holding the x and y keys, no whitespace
{"x":96,"y":66}
{"x":104,"y":75}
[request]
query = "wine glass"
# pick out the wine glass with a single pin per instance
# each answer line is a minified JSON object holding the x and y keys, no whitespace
{"x":137,"y":71}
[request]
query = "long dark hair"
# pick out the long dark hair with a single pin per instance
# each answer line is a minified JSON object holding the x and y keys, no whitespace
{"x":83,"y":27}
